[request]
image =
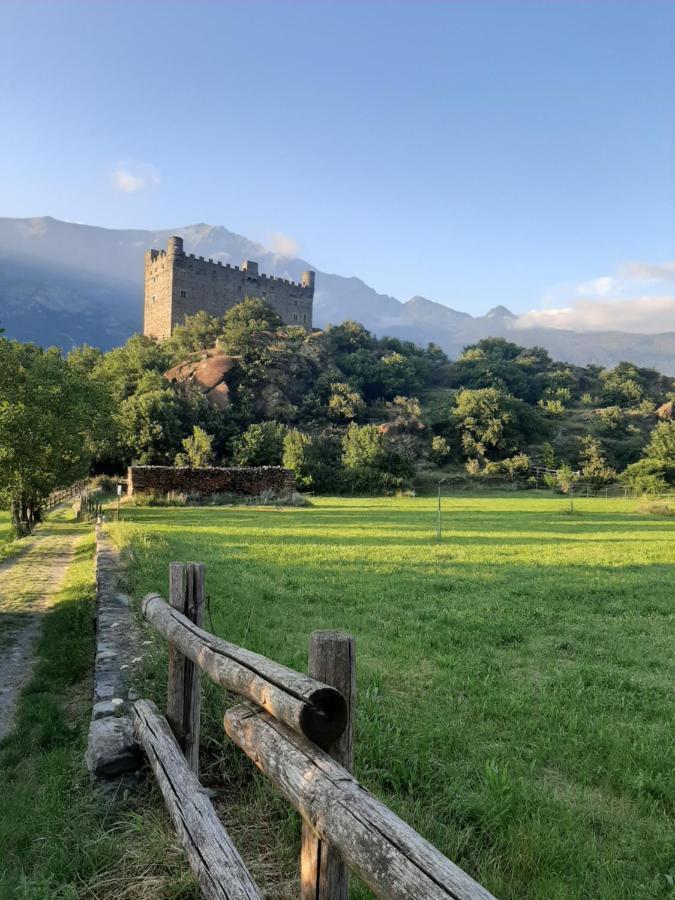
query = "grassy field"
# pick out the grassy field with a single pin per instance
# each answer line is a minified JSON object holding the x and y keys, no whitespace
{"x":514,"y":702}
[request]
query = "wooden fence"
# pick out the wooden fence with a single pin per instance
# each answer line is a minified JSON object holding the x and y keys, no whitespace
{"x":62,"y":494}
{"x":299,"y":730}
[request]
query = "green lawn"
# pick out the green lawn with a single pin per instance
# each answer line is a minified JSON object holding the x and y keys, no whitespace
{"x":514,"y":688}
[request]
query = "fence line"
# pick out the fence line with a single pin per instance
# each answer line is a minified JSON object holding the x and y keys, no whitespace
{"x":299,"y":731}
{"x":62,"y":494}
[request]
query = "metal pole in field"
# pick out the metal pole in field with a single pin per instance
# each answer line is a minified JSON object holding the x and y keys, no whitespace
{"x":438,"y":521}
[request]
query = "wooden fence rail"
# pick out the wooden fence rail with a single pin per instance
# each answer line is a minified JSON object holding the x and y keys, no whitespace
{"x":299,"y":730}
{"x":62,"y":494}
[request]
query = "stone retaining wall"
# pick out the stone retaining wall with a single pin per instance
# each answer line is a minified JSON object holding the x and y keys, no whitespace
{"x":246,"y":481}
{"x":112,"y":754}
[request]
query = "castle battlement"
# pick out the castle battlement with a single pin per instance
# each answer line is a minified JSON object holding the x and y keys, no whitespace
{"x":179,"y":284}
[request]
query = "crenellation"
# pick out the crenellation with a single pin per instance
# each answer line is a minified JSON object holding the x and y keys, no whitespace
{"x":179,"y":284}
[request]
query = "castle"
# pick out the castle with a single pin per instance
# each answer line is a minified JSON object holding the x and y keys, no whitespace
{"x":179,"y":284}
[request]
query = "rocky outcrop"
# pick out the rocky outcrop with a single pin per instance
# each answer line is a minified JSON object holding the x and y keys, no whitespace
{"x":665,"y":411}
{"x":212,"y":373}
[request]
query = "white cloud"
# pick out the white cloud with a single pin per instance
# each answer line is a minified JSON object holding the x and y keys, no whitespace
{"x":283,"y":244}
{"x":640,"y":271}
{"x":638,"y":298}
{"x":132,"y":177}
{"x":642,"y":315}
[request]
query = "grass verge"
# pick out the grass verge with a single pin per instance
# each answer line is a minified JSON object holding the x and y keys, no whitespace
{"x":59,"y":840}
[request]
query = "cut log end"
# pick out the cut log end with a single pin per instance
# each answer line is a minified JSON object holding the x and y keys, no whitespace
{"x":324,"y":717}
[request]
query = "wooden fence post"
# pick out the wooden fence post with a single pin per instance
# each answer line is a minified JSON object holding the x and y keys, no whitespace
{"x":183,"y":705}
{"x":323,"y":875}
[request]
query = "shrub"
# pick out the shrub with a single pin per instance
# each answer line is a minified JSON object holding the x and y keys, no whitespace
{"x":260,"y":445}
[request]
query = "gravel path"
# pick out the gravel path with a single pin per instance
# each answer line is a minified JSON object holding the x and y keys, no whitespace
{"x":28,"y":584}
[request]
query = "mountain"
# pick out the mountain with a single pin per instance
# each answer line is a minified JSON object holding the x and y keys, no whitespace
{"x":65,"y":283}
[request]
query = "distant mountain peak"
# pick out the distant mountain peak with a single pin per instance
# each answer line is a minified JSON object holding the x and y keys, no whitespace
{"x":499,"y":312}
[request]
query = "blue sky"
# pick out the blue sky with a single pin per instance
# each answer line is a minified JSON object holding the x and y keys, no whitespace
{"x":472,"y":152}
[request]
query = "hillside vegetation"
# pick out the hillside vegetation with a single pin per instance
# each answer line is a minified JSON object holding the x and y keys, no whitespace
{"x":351,"y":412}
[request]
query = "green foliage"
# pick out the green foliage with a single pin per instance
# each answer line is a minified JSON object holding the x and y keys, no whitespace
{"x":196,"y":333}
{"x":344,"y":404}
{"x":260,"y":445}
{"x":594,"y":468}
{"x":656,"y":472}
{"x":492,"y":423}
{"x":50,"y":422}
{"x":197,"y":449}
{"x":372,"y":465}
{"x":440,"y":450}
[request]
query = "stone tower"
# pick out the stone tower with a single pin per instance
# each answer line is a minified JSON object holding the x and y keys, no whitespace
{"x":179,"y":284}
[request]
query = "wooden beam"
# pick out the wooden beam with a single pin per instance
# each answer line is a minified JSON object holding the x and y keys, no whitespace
{"x":314,"y":709}
{"x":323,"y":874}
{"x":393,"y":860}
{"x":183,"y":702}
{"x":213,"y":858}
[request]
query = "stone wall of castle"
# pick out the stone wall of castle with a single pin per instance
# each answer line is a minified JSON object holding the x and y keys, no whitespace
{"x":179,"y":284}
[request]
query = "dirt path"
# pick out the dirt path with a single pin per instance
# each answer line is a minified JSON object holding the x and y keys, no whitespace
{"x":28,"y":584}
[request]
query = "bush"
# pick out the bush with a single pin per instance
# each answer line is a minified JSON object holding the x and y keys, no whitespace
{"x":260,"y":445}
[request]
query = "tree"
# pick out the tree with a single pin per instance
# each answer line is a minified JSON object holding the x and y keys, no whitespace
{"x":370,"y":464}
{"x":248,"y":326}
{"x":197,"y":449}
{"x":48,"y":423}
{"x":260,"y":445}
{"x":198,"y":332}
{"x":594,"y":468}
{"x":300,"y":457}
{"x":344,"y":403}
{"x":397,"y":375}
{"x":491,"y":423}
{"x":150,"y":422}
{"x":440,"y":450}
{"x":655,"y":473}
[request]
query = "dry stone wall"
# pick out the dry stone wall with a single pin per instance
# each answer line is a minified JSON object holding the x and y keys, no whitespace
{"x":245,"y":481}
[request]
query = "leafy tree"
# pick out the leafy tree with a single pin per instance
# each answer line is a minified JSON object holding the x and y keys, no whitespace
{"x":662,"y":443}
{"x":197,"y":449}
{"x":150,"y":424}
{"x":491,"y":423}
{"x":440,"y":450}
{"x":260,"y":445}
{"x":397,"y":375}
{"x":48,"y":420}
{"x":517,"y":466}
{"x":344,"y":403}
{"x":197,"y":332}
{"x":124,"y":367}
{"x":370,"y":464}
{"x":594,"y":468}
{"x":364,"y":447}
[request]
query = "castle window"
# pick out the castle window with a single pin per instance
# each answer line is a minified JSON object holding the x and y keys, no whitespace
{"x":183,"y":294}
{"x":304,"y":318}
{"x":295,"y":318}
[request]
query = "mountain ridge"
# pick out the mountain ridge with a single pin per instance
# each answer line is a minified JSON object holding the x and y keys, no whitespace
{"x":67,"y":283}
